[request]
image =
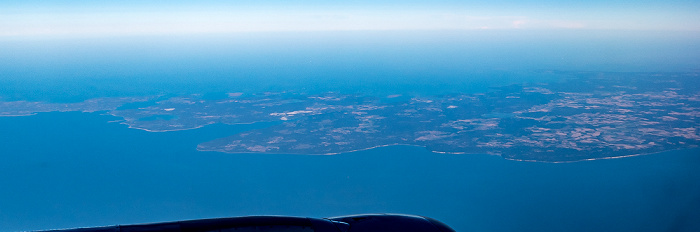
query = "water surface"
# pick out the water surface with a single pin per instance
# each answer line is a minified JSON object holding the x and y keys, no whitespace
{"x":74,"y":169}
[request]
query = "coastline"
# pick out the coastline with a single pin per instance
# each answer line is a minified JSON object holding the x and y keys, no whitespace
{"x":199,"y":148}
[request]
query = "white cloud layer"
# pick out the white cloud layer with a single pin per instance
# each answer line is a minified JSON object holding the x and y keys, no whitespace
{"x":212,"y":21}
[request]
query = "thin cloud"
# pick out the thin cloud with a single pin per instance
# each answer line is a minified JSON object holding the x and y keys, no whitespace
{"x":197,"y":22}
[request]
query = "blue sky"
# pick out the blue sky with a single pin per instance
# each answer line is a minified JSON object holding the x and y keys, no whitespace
{"x":88,"y":18}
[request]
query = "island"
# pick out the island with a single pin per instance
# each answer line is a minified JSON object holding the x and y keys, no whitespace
{"x":585,"y":116}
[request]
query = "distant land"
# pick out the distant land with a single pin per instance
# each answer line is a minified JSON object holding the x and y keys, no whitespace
{"x":585,"y":116}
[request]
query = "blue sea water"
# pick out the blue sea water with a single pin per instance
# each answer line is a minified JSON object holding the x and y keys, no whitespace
{"x":75,"y":169}
{"x":382,"y":63}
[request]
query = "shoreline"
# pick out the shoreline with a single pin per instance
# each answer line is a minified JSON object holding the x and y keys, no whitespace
{"x":449,"y":153}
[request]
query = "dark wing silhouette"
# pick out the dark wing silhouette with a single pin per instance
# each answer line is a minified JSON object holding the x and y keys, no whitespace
{"x":355,"y":223}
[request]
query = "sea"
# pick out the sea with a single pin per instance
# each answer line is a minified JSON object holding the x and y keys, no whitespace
{"x":76,"y":169}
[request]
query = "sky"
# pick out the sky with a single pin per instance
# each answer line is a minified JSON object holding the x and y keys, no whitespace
{"x":96,"y":18}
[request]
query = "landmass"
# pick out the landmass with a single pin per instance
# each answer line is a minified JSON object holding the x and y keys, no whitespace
{"x":585,"y":116}
{"x":27,"y":108}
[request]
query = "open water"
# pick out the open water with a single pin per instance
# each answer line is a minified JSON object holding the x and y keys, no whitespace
{"x":73,"y":169}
